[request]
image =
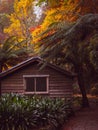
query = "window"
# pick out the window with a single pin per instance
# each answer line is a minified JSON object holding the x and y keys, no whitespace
{"x":36,"y":83}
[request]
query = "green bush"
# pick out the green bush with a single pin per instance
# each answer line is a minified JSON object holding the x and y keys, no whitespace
{"x":76,"y":88}
{"x":77,"y":102}
{"x":18,"y":112}
{"x":94,"y":90}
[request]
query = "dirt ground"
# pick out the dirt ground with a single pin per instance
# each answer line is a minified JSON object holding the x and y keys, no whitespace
{"x":84,"y":119}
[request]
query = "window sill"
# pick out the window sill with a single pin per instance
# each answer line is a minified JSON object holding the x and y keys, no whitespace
{"x":36,"y":93}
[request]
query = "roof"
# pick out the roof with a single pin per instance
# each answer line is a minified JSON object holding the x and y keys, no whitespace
{"x":31,"y":60}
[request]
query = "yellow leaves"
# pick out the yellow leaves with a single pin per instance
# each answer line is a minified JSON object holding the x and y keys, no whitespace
{"x":59,"y":12}
{"x":14,"y":29}
{"x":22,"y":7}
{"x":19,"y":25}
{"x":35,"y":32}
{"x":49,"y":19}
{"x":53,"y":3}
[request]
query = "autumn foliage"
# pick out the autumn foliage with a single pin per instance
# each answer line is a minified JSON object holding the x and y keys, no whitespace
{"x":69,"y":10}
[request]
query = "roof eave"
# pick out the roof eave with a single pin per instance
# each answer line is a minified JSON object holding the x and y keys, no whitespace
{"x":25,"y":63}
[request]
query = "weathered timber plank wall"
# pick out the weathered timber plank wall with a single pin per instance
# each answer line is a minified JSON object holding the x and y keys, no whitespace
{"x":60,"y":85}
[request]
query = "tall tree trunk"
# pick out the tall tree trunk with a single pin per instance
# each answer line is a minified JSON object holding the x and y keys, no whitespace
{"x":0,"y":67}
{"x":0,"y":87}
{"x":0,"y":78}
{"x":85,"y":102}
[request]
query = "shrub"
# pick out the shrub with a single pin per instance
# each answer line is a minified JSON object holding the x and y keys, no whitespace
{"x":76,"y":88}
{"x":18,"y":112}
{"x":77,"y":102}
{"x":94,"y":90}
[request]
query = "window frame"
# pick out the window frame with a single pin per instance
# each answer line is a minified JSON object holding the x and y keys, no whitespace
{"x":35,"y":76}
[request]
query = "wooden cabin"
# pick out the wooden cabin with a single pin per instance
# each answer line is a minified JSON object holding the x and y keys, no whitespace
{"x":28,"y":78}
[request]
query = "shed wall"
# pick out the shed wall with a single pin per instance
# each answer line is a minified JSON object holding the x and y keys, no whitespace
{"x":60,"y":85}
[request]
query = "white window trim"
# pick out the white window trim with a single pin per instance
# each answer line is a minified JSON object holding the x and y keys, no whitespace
{"x":47,"y":81}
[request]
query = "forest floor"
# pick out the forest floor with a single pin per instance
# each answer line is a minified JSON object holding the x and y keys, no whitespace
{"x":84,"y":119}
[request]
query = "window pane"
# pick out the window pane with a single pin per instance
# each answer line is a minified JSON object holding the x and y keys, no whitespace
{"x":41,"y":84}
{"x":30,"y":84}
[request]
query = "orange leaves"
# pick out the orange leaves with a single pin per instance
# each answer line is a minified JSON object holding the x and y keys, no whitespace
{"x":34,"y":28}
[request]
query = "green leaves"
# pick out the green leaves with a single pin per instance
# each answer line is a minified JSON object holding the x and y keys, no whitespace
{"x":12,"y":49}
{"x":40,"y":2}
{"x":22,"y":112}
{"x":93,"y":49}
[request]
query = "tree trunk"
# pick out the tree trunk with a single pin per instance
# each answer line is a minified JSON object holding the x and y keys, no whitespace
{"x":0,"y":87}
{"x":85,"y":102}
{"x":0,"y":78}
{"x":0,"y":67}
